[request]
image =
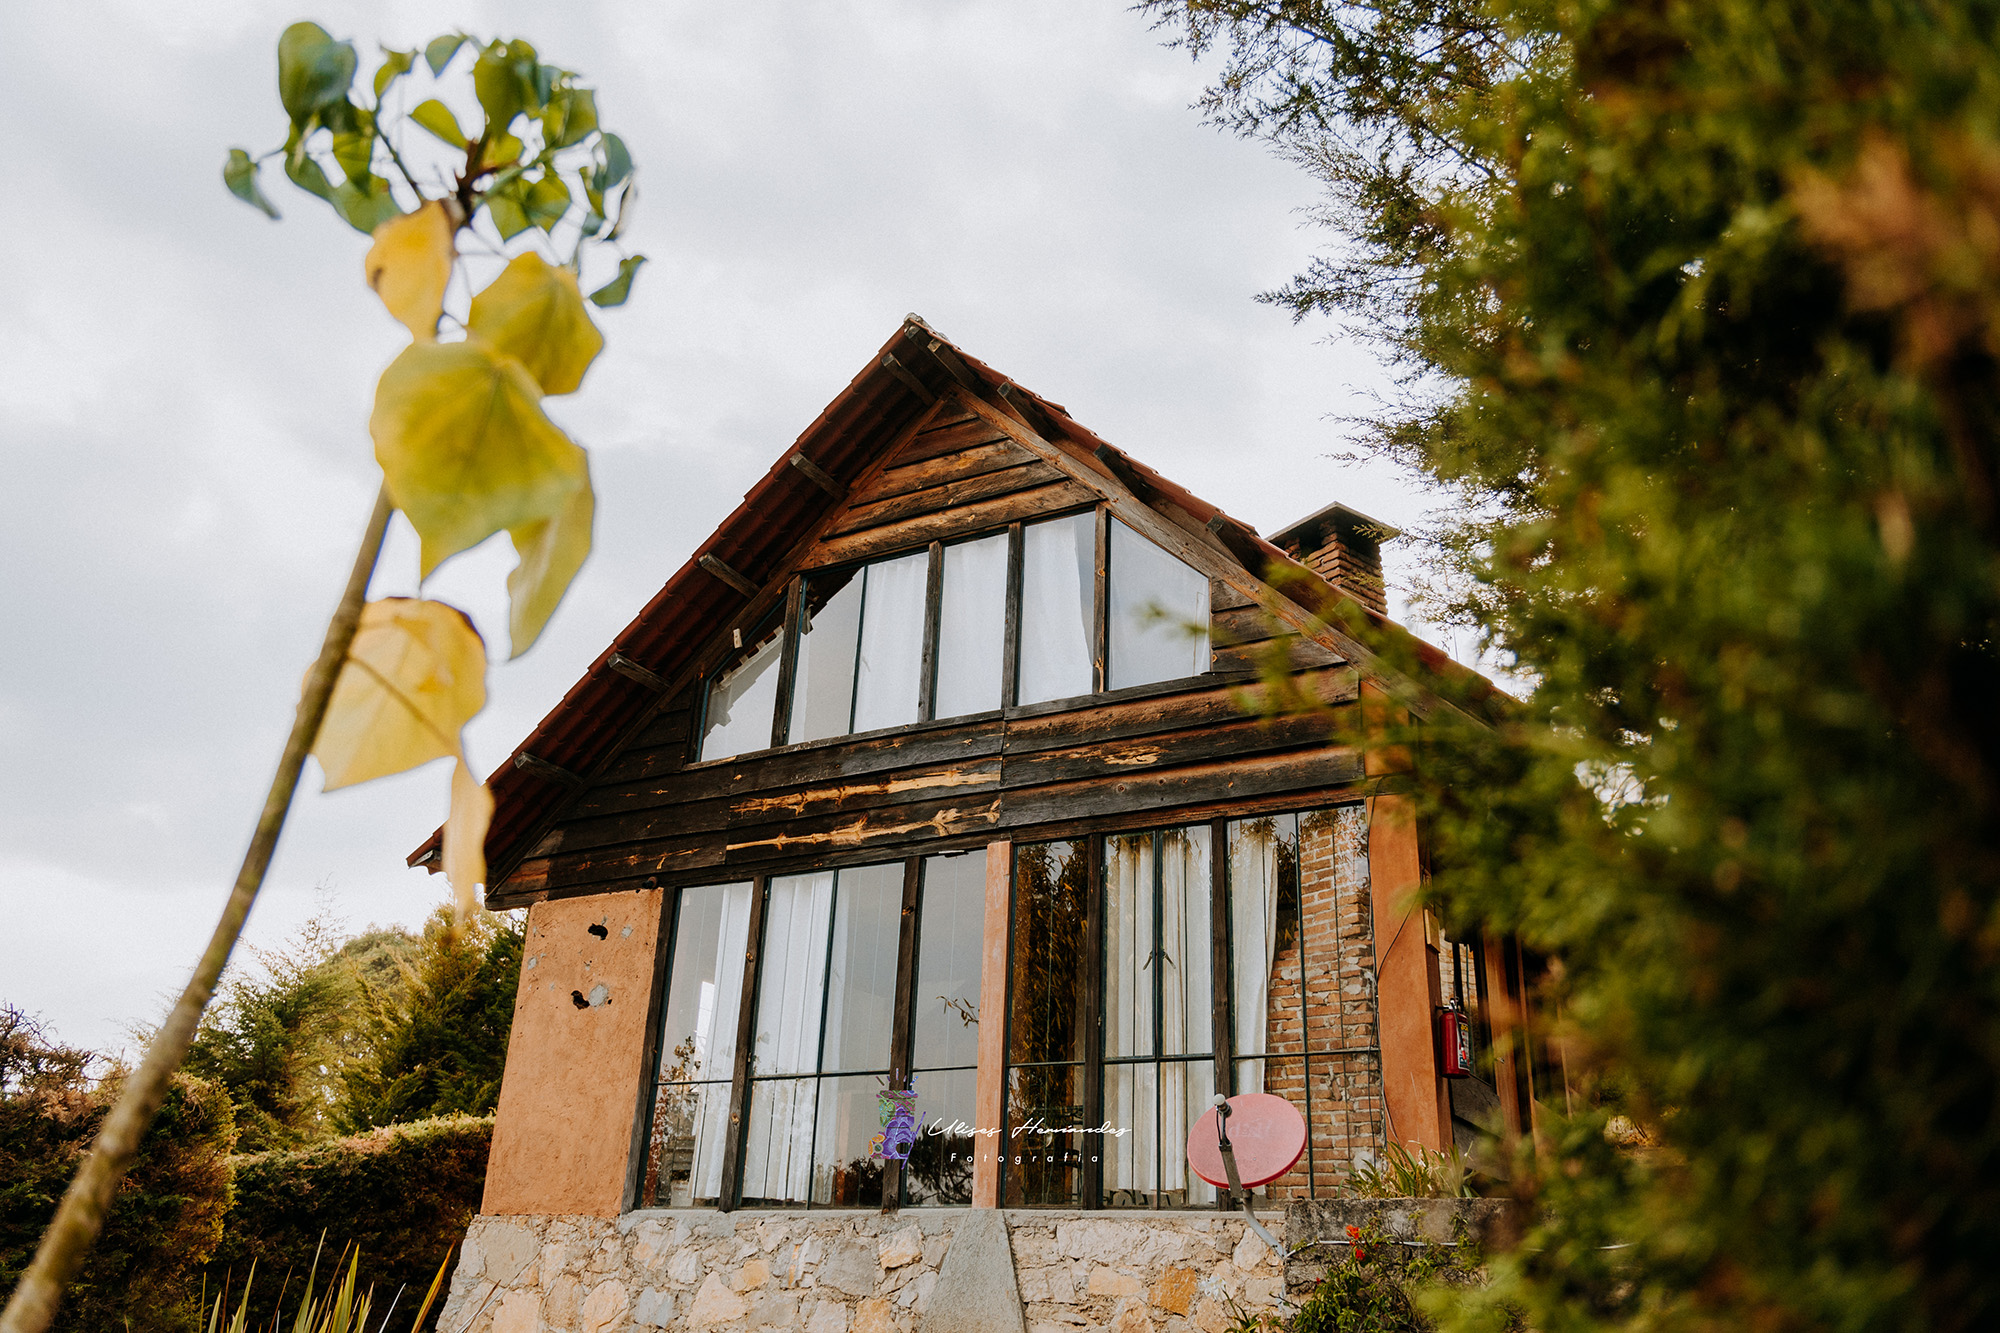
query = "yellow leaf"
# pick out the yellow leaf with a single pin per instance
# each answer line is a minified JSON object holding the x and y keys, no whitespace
{"x":465,"y":837}
{"x":534,"y":313}
{"x":414,"y":676}
{"x":409,"y":265}
{"x":465,"y":447}
{"x":551,"y":553}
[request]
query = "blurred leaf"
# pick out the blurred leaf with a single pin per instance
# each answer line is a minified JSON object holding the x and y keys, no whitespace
{"x":551,"y":552}
{"x":498,"y":84}
{"x":314,"y":71}
{"x":534,"y":313}
{"x":617,"y":163}
{"x":395,"y":64}
{"x":626,"y":201}
{"x":504,"y":151}
{"x":464,"y":851}
{"x":239,"y":173}
{"x":436,"y":117}
{"x":308,"y":175}
{"x":365,"y":203}
{"x":415,"y":675}
{"x":410,"y":264}
{"x":615,"y":291}
{"x":504,"y":206}
{"x":439,"y":53}
{"x":354,"y":143}
{"x":571,"y":116}
{"x":465,"y":447}
{"x":547,"y":201}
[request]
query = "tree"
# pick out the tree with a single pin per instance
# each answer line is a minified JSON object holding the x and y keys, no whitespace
{"x":466,"y":449}
{"x":437,"y":1040}
{"x":1698,"y":306}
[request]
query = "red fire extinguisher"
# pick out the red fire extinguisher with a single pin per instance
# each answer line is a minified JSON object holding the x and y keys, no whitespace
{"x":1455,"y":1042}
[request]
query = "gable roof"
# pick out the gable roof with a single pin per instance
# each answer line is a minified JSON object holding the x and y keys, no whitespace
{"x":917,"y":366}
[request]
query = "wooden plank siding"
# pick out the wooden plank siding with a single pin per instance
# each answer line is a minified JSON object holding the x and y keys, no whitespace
{"x":651,"y":813}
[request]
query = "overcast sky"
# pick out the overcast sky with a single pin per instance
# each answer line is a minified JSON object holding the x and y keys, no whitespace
{"x":184,"y":387}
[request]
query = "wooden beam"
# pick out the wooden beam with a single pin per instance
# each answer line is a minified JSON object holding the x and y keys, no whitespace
{"x":819,"y":476}
{"x":903,"y":1021}
{"x":547,"y":771}
{"x":717,"y":566}
{"x":631,"y":670}
{"x":746,"y":1035}
{"x":990,"y":1097}
{"x":941,"y":352}
{"x":910,"y":382}
{"x":1031,"y":411}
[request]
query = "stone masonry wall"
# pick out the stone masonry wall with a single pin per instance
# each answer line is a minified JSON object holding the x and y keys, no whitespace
{"x":848,"y":1272}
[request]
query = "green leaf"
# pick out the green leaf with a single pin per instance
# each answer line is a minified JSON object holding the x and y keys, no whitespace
{"x":504,"y":207}
{"x":307,"y":174}
{"x":314,"y":71}
{"x":365,"y":203}
{"x":533,"y":313}
{"x":615,"y":291}
{"x":436,"y":117}
{"x":504,"y":151}
{"x":547,"y":201}
{"x":551,"y":551}
{"x":617,"y":163}
{"x":354,"y":144}
{"x":570,"y":117}
{"x":395,"y":64}
{"x":439,"y":53}
{"x":465,"y":447}
{"x":498,"y":84}
{"x":239,"y":173}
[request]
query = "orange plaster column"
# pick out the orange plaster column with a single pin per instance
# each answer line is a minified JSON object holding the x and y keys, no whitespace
{"x":991,"y":1090}
{"x":1407,"y":988}
{"x":562,"y":1133}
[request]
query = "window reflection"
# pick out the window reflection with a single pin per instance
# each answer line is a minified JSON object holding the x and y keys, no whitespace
{"x":829,"y":639}
{"x":741,"y":700}
{"x":1158,"y":611}
{"x":697,"y":1047}
{"x":1058,"y":606}
{"x":888,"y":677}
{"x":972,"y":627}
{"x":1051,"y":908}
{"x":949,"y":946}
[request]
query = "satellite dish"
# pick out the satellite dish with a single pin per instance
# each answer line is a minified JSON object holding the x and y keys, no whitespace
{"x":1266,"y":1134}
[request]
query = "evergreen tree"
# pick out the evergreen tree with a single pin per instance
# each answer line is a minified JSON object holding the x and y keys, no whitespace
{"x":1698,"y":304}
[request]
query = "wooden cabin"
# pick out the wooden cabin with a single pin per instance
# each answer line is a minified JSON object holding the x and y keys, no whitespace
{"x":932,"y":770}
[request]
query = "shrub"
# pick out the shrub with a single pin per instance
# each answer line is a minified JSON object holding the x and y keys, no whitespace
{"x":1379,"y":1285}
{"x":402,"y":1195}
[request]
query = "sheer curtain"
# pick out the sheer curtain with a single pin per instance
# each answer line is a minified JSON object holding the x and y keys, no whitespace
{"x":889,"y":670}
{"x":1058,"y":599}
{"x":972,"y":627}
{"x":1129,"y":1094}
{"x":1253,"y":909}
{"x":1187,"y":1021}
{"x":714,"y":990}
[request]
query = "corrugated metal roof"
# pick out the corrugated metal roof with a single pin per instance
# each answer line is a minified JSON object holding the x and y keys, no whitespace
{"x":603,"y":708}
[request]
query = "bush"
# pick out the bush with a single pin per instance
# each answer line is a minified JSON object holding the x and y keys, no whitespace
{"x":404,"y":1195}
{"x":1379,"y":1285}
{"x":167,"y":1217}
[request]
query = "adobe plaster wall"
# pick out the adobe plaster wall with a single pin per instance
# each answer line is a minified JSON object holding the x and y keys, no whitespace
{"x":849,"y":1272}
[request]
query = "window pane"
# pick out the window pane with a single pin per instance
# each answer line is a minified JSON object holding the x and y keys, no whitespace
{"x":861,"y":988}
{"x":1044,"y":1153}
{"x":792,"y":988}
{"x":940,"y":1167}
{"x":698,"y":1034}
{"x":1128,"y":945}
{"x":1051,"y":895}
{"x":1158,"y":613}
{"x":1187,"y":1009}
{"x":684,"y":1164}
{"x":949,"y":939}
{"x":1287,"y":1079}
{"x":889,"y":678}
{"x":777,"y":1150}
{"x":829,"y":633}
{"x":1186,"y":1090}
{"x":846,"y":1173}
{"x":1264,"y":930}
{"x":1058,"y":590}
{"x":740,"y":701}
{"x":1131,"y":1148}
{"x":972,"y":627}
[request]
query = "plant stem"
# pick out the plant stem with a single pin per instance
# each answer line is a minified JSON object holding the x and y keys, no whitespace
{"x":80,"y":1217}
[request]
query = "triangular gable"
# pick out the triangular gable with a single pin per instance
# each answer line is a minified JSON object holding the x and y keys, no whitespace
{"x":922,"y":421}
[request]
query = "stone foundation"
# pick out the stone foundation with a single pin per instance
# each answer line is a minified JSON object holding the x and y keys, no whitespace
{"x":849,"y":1272}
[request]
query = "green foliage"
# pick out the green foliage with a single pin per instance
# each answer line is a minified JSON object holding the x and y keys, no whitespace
{"x":437,"y":1038}
{"x":401,"y":1196}
{"x":163,"y":1224}
{"x":1697,"y":304}
{"x":1413,"y":1172}
{"x":1378,"y":1286}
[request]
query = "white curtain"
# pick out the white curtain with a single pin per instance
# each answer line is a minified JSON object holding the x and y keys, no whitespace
{"x":972,"y":627}
{"x":777,"y":1155}
{"x":888,"y":677}
{"x":715,"y":1034}
{"x":792,"y":989}
{"x":1254,"y":849}
{"x":1058,"y":598}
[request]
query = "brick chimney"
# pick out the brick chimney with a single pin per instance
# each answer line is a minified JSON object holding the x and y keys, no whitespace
{"x":1344,"y":547}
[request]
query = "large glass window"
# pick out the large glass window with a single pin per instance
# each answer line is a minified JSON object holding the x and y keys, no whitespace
{"x":1158,"y":613}
{"x":972,"y":628}
{"x":741,"y":699}
{"x":824,"y":1033}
